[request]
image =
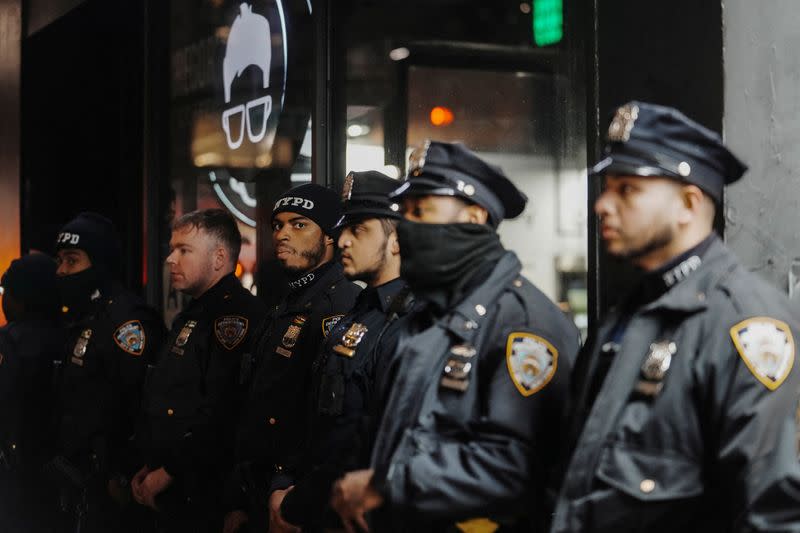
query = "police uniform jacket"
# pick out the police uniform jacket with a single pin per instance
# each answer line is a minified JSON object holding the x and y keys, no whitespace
{"x":193,"y":393}
{"x":342,"y":397}
{"x":27,"y":351}
{"x":274,"y":420}
{"x":106,"y":359}
{"x":694,"y":426}
{"x":472,"y":419}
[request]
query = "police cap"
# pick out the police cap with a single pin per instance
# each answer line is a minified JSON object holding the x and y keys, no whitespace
{"x":651,"y":140}
{"x":451,"y":169}
{"x":366,"y":195}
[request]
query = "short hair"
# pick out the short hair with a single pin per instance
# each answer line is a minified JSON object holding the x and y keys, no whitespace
{"x":389,"y":225}
{"x":219,"y":224}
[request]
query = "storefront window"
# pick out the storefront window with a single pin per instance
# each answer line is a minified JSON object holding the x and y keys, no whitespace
{"x":471,"y":73}
{"x":236,"y":119}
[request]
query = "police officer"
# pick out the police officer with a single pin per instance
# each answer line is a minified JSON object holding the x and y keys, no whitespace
{"x":192,"y":395}
{"x":343,"y":389}
{"x":481,"y":374}
{"x":112,"y":335}
{"x":29,"y":343}
{"x":273,"y":424}
{"x":685,"y":416}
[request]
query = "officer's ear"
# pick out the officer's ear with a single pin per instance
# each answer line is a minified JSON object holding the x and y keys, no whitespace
{"x":476,"y":214}
{"x":328,"y":241}
{"x":220,"y":256}
{"x":694,"y":202}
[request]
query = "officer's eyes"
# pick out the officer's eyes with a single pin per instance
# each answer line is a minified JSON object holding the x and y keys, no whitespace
{"x":276,"y":227}
{"x":299,"y":225}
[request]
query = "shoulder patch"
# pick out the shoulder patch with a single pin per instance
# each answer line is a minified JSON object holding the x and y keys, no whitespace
{"x":766,"y":346}
{"x":230,"y":330}
{"x":328,"y":323}
{"x":130,"y":337}
{"x":531,"y":360}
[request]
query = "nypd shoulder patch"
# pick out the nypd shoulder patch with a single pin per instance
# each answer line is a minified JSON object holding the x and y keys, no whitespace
{"x":328,"y":324}
{"x":130,"y":337}
{"x":230,"y":330}
{"x":766,"y":346}
{"x":531,"y":361}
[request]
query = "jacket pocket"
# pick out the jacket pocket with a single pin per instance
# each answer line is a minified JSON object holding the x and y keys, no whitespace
{"x":649,"y":476}
{"x":637,"y":491}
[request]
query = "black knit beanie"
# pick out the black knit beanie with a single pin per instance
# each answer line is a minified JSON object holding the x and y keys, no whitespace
{"x":94,"y":234}
{"x":315,"y":202}
{"x":31,"y":280}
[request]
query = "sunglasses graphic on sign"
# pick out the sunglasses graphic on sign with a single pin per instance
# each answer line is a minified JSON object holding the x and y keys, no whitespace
{"x":248,"y":44}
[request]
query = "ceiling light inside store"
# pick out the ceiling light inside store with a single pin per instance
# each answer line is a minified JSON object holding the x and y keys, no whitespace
{"x":441,"y":116}
{"x":399,"y":54}
{"x":525,"y":7}
{"x":357,"y":130}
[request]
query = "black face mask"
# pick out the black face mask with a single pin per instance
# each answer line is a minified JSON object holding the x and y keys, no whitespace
{"x":76,"y":290}
{"x":443,"y":257}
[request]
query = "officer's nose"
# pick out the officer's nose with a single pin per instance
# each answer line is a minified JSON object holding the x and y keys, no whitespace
{"x":61,"y":270}
{"x":344,"y":241}
{"x":603,"y":205}
{"x":170,"y":258}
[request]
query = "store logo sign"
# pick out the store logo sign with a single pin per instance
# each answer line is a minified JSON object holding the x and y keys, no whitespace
{"x":249,"y":44}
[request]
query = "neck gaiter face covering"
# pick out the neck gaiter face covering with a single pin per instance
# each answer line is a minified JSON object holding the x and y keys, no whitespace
{"x":76,"y":290}
{"x":439,"y":259}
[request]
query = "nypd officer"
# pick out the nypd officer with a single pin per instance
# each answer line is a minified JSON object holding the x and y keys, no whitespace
{"x":685,"y":416}
{"x":273,"y":424}
{"x":29,"y":343}
{"x":192,"y":396}
{"x":343,"y":389}
{"x":112,"y":335}
{"x":481,"y":375}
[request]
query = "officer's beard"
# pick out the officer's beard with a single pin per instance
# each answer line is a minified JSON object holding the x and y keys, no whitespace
{"x":373,"y":272}
{"x":661,"y":239}
{"x":314,"y":258}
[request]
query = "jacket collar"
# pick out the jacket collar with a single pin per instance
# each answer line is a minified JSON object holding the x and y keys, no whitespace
{"x":328,"y":276}
{"x":690,"y":294}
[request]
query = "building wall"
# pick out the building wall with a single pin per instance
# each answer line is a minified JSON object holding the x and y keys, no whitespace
{"x":762,"y":125}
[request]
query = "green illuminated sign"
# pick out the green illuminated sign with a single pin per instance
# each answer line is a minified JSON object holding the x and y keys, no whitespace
{"x":548,"y":22}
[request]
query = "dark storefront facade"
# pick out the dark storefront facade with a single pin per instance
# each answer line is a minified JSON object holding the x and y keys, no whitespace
{"x":148,"y":109}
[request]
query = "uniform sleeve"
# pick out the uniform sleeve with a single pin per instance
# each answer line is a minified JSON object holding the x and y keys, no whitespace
{"x":489,"y":465}
{"x":135,"y":343}
{"x":756,"y":409}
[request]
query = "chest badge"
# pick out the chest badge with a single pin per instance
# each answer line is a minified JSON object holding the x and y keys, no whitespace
{"x":455,"y":375}
{"x":186,"y":332}
{"x":130,"y":337}
{"x":532,"y":362}
{"x":230,"y":330}
{"x":80,"y":347}
{"x":351,"y":339}
{"x":655,"y":367}
{"x":291,"y":335}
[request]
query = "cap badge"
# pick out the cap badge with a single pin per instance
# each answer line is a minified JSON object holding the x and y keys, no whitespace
{"x":347,"y":188}
{"x":416,"y":161}
{"x":622,"y":124}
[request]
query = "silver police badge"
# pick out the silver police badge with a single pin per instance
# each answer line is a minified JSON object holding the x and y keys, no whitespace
{"x":531,"y":360}
{"x":352,"y":337}
{"x":766,"y":346}
{"x":622,"y":124}
{"x":83,"y":341}
{"x":657,"y":362}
